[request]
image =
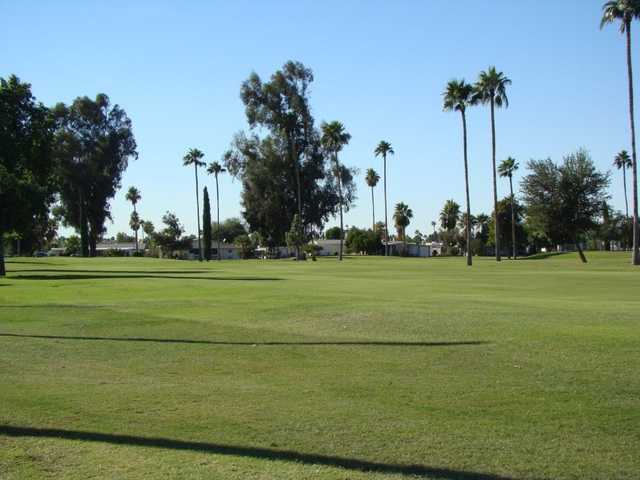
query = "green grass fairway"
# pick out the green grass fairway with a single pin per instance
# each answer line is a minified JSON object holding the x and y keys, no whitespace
{"x":370,"y":369}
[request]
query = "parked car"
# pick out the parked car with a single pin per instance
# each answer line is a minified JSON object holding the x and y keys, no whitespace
{"x":40,"y":253}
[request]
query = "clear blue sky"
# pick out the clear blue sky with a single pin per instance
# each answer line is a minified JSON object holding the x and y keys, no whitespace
{"x":380,"y":68}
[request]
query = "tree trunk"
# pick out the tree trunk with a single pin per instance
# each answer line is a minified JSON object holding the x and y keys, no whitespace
{"x":635,"y":255}
{"x":136,"y":230}
{"x":340,"y":199}
{"x":386,"y":221}
{"x":580,"y":252}
{"x":195,"y":167}
{"x":466,"y":185}
{"x":373,"y":211}
{"x":84,"y":227}
{"x":495,"y":182}
{"x":3,"y":271}
{"x":513,"y":220}
{"x":624,"y":183}
{"x":294,"y":158}
{"x":218,"y":217}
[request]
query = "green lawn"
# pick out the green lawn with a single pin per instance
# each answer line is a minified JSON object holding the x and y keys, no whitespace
{"x":370,"y":369}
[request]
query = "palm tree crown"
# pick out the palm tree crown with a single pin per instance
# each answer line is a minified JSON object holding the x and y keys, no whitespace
{"x":457,"y":96}
{"x":193,"y":157}
{"x":215,"y":168}
{"x":622,"y":160}
{"x":620,"y":10}
{"x":507,"y":167}
{"x":383,"y":149}
{"x":491,"y":85}
{"x":334,"y":136}
{"x":402,"y":217}
{"x":372,"y":177}
{"x":133,"y":195}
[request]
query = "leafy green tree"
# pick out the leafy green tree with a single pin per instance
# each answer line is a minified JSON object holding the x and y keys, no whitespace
{"x":334,"y":139}
{"x":372,"y":178}
{"x":216,"y":169}
{"x":194,"y":157}
{"x":94,"y":142}
{"x":625,"y":11}
{"x":286,"y":171}
{"x":149,"y":229}
{"x":206,"y":225}
{"x":564,"y":202}
{"x":383,"y":150}
{"x":27,"y":165}
{"x":458,"y":95}
{"x":491,"y":88}
{"x":246,"y":244}
{"x":363,"y":241}
{"x":622,"y":161}
{"x":72,"y":245}
{"x":482,"y":223}
{"x":122,"y":237}
{"x":402,"y":218}
{"x":295,"y":237}
{"x":506,"y":169}
{"x":229,"y":230}
{"x":333,"y":233}
{"x":171,"y":237}
{"x":133,"y":196}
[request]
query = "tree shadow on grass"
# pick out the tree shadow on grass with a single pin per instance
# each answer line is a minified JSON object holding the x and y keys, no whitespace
{"x":36,"y":261}
{"x":85,"y":276}
{"x":337,"y":343}
{"x":115,"y":272}
{"x":251,"y":452}
{"x":543,"y":256}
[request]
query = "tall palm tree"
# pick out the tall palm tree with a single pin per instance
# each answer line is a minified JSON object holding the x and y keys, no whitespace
{"x":383,"y":149}
{"x":625,"y":11}
{"x":450,"y":215}
{"x":133,"y":196}
{"x":507,"y":168}
{"x":216,"y":169}
{"x":402,"y":218}
{"x":622,"y":162}
{"x":194,"y":157}
{"x":334,"y":138}
{"x":457,"y":97}
{"x":372,"y":180}
{"x":491,"y":88}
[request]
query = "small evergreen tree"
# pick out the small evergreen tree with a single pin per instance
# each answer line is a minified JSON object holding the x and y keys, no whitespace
{"x":206,"y":225}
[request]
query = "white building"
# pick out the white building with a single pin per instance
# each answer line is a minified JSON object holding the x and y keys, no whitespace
{"x":228,"y":251}
{"x":328,"y":248}
{"x":124,"y":248}
{"x":433,"y":249}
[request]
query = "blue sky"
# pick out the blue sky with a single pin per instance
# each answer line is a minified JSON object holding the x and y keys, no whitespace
{"x":380,"y":67}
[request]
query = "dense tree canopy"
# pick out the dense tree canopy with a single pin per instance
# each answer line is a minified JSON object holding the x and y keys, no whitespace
{"x":286,"y":171}
{"x":94,"y":143}
{"x":26,"y":161}
{"x":564,"y":201}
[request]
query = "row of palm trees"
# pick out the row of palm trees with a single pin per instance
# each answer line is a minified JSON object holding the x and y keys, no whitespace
{"x":194,"y":157}
{"x":624,"y":12}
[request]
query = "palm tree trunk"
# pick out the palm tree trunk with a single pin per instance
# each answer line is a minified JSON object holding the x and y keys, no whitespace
{"x":635,"y":256}
{"x":135,"y":231}
{"x":340,"y":199}
{"x":624,"y":183}
{"x":218,"y":217}
{"x":495,"y":183}
{"x":84,"y":228}
{"x":513,"y":219}
{"x":466,"y":185}
{"x":373,"y":211}
{"x":386,"y":221}
{"x":195,"y":168}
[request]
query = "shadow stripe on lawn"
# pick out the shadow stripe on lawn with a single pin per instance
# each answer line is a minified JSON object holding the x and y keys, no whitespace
{"x":251,"y":452}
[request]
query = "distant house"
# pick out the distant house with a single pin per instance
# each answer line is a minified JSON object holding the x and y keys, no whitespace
{"x":328,"y":248}
{"x":432,"y":249}
{"x":228,"y":251}
{"x":122,"y":248}
{"x":275,"y":252}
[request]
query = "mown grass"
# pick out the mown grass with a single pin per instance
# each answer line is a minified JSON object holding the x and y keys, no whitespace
{"x":374,"y":368}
